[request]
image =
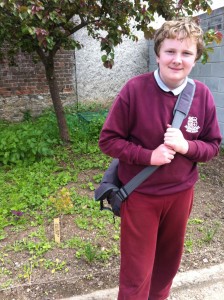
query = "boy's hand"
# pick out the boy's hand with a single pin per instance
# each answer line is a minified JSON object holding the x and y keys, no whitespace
{"x":174,"y":139}
{"x":162,"y":155}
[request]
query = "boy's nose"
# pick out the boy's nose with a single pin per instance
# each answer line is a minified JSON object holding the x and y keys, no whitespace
{"x":177,"y":59}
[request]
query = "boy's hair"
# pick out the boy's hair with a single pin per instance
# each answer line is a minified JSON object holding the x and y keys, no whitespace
{"x":181,"y":28}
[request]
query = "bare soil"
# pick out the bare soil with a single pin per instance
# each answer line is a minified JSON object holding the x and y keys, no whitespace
{"x":204,"y":247}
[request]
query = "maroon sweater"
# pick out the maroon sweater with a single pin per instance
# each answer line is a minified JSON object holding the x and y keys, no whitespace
{"x":136,"y":124}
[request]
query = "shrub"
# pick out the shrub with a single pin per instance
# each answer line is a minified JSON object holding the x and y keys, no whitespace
{"x":29,"y":140}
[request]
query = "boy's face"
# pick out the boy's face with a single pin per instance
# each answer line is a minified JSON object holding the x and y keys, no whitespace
{"x":176,"y":60}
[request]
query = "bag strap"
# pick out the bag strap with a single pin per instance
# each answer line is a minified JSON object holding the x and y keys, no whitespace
{"x":181,"y":110}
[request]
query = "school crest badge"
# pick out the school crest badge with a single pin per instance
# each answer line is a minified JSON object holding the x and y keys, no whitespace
{"x":192,"y":125}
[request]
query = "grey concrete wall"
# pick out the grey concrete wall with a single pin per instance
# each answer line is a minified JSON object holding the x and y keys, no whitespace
{"x":95,"y":82}
{"x":211,"y":73}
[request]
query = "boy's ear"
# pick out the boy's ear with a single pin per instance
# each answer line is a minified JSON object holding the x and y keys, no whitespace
{"x":157,"y":59}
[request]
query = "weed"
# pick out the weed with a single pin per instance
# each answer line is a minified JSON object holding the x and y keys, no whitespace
{"x":100,"y":224}
{"x":210,"y":233}
{"x":2,"y":235}
{"x":202,"y":176}
{"x":195,"y":221}
{"x":27,"y":115}
{"x":97,"y":178}
{"x":17,"y":246}
{"x":5,"y":271}
{"x":191,"y":233}
{"x":33,"y":247}
{"x":188,"y":244}
{"x":55,"y":265}
{"x":91,"y":186}
{"x":82,"y":223}
{"x":116,"y":237}
{"x":38,"y":248}
{"x":27,"y":272}
{"x":75,"y":242}
{"x":6,"y":284}
{"x":90,"y":252}
{"x":38,"y":234}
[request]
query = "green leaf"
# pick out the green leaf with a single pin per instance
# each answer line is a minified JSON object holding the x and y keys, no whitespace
{"x":104,"y":58}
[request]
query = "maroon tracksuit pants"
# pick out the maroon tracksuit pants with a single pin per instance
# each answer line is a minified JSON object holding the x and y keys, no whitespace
{"x":152,"y":239}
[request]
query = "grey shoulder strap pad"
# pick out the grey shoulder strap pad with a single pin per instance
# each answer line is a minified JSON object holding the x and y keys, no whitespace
{"x":183,"y":103}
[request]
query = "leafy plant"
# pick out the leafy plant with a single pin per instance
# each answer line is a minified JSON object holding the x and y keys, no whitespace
{"x":28,"y":141}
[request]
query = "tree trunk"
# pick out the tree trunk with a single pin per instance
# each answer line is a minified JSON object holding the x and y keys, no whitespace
{"x":55,"y":96}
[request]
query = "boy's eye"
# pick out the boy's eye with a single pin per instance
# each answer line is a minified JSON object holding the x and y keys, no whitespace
{"x":170,"y":51}
{"x":187,"y":53}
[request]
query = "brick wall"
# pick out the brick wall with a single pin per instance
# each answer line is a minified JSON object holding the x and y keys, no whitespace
{"x":82,"y":77}
{"x":24,"y":86}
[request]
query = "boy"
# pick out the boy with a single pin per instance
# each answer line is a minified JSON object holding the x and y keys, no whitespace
{"x":138,"y":132}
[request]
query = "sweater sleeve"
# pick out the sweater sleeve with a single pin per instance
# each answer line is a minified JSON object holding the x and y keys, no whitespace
{"x":114,"y":138}
{"x":206,"y":146}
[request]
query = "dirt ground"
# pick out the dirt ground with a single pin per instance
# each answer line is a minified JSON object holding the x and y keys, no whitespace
{"x":204,"y":247}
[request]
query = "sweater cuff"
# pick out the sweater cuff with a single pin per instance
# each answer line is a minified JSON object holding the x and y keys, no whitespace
{"x":191,"y":150}
{"x":144,"y":157}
